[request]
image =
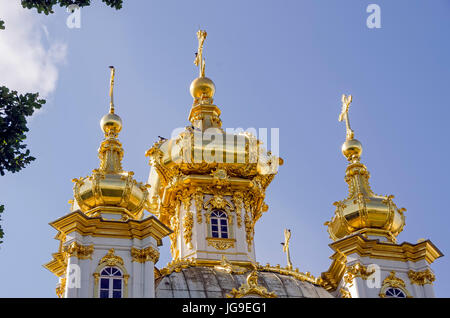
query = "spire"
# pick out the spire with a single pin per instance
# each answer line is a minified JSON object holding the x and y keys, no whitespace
{"x":111,"y":90}
{"x":110,"y":151}
{"x":204,"y":114}
{"x":362,"y":211}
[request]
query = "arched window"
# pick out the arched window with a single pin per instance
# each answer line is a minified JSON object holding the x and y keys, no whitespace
{"x":392,"y":292}
{"x":219,"y":224}
{"x":111,"y":283}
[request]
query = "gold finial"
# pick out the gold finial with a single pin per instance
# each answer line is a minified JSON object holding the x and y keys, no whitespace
{"x":199,"y":60}
{"x":111,"y":123}
{"x":346,"y":101}
{"x":352,"y":148}
{"x":287,"y":238}
{"x":111,"y":90}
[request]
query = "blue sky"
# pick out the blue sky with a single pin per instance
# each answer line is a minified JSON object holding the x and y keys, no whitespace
{"x":276,"y":64}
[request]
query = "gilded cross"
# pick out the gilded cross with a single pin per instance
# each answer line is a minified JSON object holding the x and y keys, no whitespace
{"x":287,"y":237}
{"x":111,"y":90}
{"x":346,"y":101}
{"x":199,"y":60}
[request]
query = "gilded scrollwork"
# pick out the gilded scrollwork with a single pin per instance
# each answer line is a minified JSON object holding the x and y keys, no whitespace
{"x":357,"y":270}
{"x":221,"y":243}
{"x":198,"y":198}
{"x":395,"y":282}
{"x":421,"y":278}
{"x":227,"y":267}
{"x":177,"y":265}
{"x":144,"y":255}
{"x":251,"y":288}
{"x":111,"y":259}
{"x":238,"y":200}
{"x":75,"y":249}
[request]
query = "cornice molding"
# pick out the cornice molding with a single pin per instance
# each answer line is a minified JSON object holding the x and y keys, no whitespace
{"x":364,"y":247}
{"x":98,"y":227}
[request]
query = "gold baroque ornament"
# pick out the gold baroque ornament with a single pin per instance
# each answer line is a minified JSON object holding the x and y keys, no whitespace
{"x":357,"y":270}
{"x":80,"y":251}
{"x":177,"y":265}
{"x":227,"y":267}
{"x":61,"y":288}
{"x":251,"y":288}
{"x":218,"y":202}
{"x":198,"y":198}
{"x":307,"y":277}
{"x":110,"y":259}
{"x":188,"y":223}
{"x":395,"y":282}
{"x":421,"y":278}
{"x":238,"y":200}
{"x":185,"y":198}
{"x":248,"y":230}
{"x":221,"y":243}
{"x":144,"y":255}
{"x":345,"y":293}
{"x":175,"y":228}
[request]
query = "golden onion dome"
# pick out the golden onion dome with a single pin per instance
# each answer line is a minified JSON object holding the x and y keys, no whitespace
{"x":362,"y":211}
{"x":110,"y":189}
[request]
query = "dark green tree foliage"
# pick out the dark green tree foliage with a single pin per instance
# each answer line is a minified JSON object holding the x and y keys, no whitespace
{"x":14,"y":109}
{"x":46,"y":6}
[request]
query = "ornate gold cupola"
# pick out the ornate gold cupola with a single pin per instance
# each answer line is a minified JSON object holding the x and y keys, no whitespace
{"x":209,"y":185}
{"x":110,"y":191}
{"x":362,"y":211}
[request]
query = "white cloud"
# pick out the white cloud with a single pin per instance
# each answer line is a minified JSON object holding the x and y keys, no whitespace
{"x":28,"y":60}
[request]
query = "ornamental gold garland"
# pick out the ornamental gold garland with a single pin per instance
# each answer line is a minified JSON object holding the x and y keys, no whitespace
{"x":198,"y":198}
{"x":238,"y":200}
{"x":188,"y":223}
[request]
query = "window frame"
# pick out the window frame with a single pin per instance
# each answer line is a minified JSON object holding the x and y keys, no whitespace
{"x":219,"y":219}
{"x":111,"y":278}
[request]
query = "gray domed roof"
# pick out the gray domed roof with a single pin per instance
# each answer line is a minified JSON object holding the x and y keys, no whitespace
{"x":208,"y":282}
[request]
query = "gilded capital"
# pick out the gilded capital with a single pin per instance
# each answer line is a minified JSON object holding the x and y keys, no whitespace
{"x":422,"y":278}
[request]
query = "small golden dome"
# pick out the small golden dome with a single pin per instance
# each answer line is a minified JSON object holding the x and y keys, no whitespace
{"x":352,"y":149}
{"x":111,"y":122}
{"x":202,"y":87}
{"x":363,"y":210}
{"x":108,"y":190}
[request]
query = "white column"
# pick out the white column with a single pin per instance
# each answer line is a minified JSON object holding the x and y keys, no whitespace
{"x":86,"y":283}
{"x":136,"y":288}
{"x":73,"y":279}
{"x":149,"y":279}
{"x":428,"y":291}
